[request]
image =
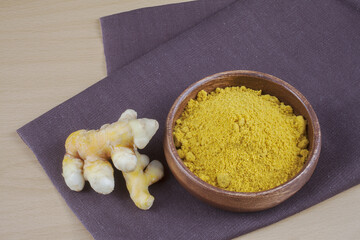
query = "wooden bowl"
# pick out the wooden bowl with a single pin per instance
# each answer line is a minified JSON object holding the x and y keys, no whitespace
{"x":243,"y":201}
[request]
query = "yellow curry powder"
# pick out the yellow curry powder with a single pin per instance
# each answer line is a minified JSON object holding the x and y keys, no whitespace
{"x":240,"y":140}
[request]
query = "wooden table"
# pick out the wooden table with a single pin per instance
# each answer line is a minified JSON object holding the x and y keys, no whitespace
{"x":51,"y":50}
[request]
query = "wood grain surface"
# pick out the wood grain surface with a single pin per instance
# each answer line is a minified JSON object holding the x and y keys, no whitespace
{"x":51,"y":50}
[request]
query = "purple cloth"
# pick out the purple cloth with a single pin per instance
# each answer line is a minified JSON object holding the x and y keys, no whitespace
{"x":313,"y":45}
{"x":129,"y":35}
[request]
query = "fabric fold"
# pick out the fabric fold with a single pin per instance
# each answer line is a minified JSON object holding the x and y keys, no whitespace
{"x":129,"y":35}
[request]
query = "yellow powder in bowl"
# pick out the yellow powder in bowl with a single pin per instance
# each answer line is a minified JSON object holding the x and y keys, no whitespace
{"x":240,"y":140}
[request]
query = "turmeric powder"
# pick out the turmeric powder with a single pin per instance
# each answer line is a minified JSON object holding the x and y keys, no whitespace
{"x":239,"y":140}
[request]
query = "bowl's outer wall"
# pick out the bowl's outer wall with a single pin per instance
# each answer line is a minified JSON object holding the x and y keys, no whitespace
{"x":233,"y":201}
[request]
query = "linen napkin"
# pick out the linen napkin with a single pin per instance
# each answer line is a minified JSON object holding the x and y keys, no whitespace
{"x":313,"y":45}
{"x":129,"y":35}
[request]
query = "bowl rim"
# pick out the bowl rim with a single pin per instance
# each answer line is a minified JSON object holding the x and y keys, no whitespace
{"x":313,"y":154}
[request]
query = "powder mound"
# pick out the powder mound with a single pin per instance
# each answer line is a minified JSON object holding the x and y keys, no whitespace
{"x":237,"y":139}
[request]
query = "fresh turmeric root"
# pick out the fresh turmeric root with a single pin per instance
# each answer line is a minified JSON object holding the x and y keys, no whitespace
{"x":88,"y":152}
{"x":138,"y":181}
